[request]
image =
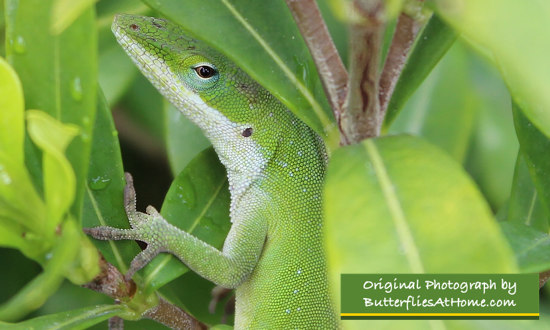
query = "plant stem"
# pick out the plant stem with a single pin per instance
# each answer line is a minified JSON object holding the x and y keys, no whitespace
{"x":361,"y":117}
{"x":172,"y":316}
{"x":331,"y":70}
{"x":406,"y":31}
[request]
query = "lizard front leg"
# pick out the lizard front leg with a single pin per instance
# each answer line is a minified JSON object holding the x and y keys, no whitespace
{"x":227,"y":268}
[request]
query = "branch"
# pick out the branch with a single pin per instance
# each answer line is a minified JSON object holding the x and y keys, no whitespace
{"x":172,"y":316}
{"x":329,"y":65}
{"x":406,"y":31}
{"x":543,"y":278}
{"x":361,"y":117}
{"x":111,"y":281}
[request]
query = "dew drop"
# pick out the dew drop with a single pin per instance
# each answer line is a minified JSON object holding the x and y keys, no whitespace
{"x":114,"y":133}
{"x":76,"y":89}
{"x":20,"y":46}
{"x":99,"y":183}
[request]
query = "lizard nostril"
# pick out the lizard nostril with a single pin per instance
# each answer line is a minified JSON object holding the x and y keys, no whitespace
{"x":134,"y":27}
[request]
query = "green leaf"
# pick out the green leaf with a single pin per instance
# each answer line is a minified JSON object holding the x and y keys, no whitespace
{"x":443,"y":109}
{"x":116,"y":70}
{"x":52,"y":137}
{"x":116,"y":73}
{"x":399,"y":205}
{"x":58,"y":73}
{"x":513,"y":32}
{"x":494,"y":146}
{"x":270,"y":50}
{"x":143,"y":105}
{"x":19,"y":201}
{"x":65,"y":12}
{"x":12,"y":122}
{"x":404,"y":202}
{"x":432,"y":43}
{"x":197,"y":202}
{"x":532,"y":247}
{"x":525,"y":205}
{"x":35,"y":293}
{"x":103,"y":201}
{"x":184,"y":140}
{"x":77,"y":319}
{"x":534,"y":146}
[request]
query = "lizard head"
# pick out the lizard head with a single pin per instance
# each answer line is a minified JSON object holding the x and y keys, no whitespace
{"x":239,"y":117}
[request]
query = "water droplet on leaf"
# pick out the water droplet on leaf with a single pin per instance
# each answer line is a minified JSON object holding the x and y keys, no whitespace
{"x":99,"y":183}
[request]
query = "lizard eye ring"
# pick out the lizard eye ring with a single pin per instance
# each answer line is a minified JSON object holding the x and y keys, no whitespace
{"x":205,"y":71}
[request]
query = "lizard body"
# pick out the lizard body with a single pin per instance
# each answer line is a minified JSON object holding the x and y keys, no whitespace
{"x":273,"y":254}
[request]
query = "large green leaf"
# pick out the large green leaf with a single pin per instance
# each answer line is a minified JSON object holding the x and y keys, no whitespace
{"x":535,"y":147}
{"x":197,"y":202}
{"x":399,"y":205}
{"x":58,"y":73}
{"x":430,"y":46}
{"x":494,"y":146}
{"x":143,"y":105}
{"x":76,"y":319}
{"x":116,"y":70}
{"x":532,"y":247}
{"x":514,"y":33}
{"x":65,"y":12}
{"x":394,"y":204}
{"x":12,"y":120}
{"x":262,"y":38}
{"x":184,"y":140}
{"x":103,"y":202}
{"x":525,"y":205}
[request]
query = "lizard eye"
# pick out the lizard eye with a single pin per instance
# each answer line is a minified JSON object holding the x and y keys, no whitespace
{"x":205,"y":71}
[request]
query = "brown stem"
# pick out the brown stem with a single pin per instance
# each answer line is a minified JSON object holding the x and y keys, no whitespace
{"x":406,"y":31}
{"x":543,"y":277}
{"x":110,"y":281}
{"x":172,"y":316}
{"x":331,"y":70}
{"x":361,"y":117}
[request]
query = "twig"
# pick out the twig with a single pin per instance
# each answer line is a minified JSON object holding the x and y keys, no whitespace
{"x":361,"y":118}
{"x":331,"y":70}
{"x":111,"y":281}
{"x":543,"y":277}
{"x":172,"y":316}
{"x":406,"y":31}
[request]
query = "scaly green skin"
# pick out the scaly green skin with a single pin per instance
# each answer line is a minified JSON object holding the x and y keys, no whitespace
{"x":273,"y":254}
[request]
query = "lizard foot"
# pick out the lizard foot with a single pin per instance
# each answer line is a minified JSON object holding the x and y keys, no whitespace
{"x":145,"y":227}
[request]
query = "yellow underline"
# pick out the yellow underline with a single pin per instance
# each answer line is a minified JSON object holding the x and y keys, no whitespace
{"x":439,"y":314}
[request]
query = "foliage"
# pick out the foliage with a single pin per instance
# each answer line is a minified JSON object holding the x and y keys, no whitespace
{"x":459,"y":181}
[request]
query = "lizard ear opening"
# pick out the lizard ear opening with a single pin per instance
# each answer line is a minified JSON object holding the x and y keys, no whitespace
{"x":247,"y":132}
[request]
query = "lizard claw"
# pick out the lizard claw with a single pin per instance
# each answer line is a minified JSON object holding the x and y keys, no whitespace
{"x":143,"y":226}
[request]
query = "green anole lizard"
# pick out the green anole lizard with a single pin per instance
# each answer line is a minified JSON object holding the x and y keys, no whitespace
{"x":273,"y":254}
